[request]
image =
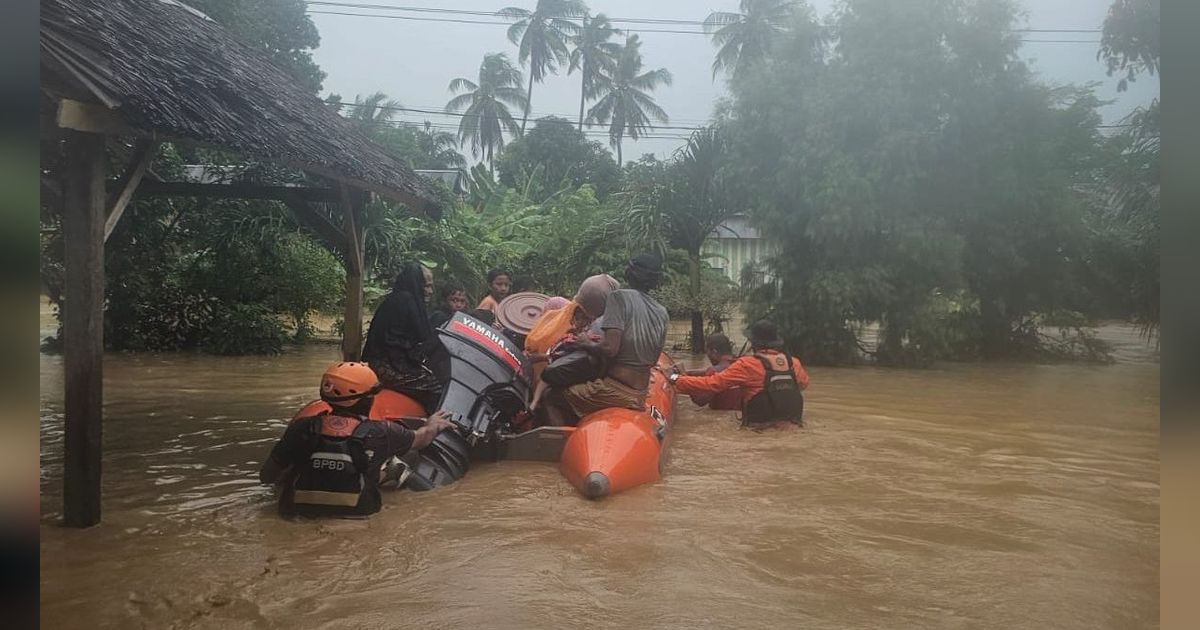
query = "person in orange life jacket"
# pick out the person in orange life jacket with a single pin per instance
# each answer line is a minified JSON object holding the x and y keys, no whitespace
{"x":772,"y":382}
{"x":499,"y":283}
{"x":330,"y":464}
{"x":720,"y":354}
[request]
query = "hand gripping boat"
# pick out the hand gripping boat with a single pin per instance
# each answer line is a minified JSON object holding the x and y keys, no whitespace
{"x":610,"y":451}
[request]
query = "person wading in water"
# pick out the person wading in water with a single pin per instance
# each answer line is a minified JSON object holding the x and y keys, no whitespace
{"x":329,"y":464}
{"x":719,"y":351}
{"x":772,"y":382}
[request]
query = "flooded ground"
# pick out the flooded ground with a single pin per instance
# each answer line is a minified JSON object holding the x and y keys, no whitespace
{"x":969,"y":496}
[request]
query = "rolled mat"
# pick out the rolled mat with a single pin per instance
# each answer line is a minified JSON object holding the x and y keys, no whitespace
{"x":519,"y":311}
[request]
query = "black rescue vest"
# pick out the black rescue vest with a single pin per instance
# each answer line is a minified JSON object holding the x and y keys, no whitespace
{"x":781,"y":399}
{"x":333,"y":479}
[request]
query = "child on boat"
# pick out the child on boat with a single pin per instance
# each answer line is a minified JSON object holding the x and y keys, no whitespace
{"x":499,"y":283}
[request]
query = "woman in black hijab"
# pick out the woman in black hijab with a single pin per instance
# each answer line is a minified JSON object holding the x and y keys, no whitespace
{"x":402,"y":346}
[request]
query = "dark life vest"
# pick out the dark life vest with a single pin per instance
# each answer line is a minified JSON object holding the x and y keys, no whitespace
{"x":780,"y":399}
{"x":333,"y":480}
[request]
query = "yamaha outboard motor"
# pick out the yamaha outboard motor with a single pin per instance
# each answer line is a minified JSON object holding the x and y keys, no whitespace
{"x":488,"y":386}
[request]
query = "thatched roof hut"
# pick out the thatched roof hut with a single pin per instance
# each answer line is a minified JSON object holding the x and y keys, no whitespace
{"x":155,"y":71}
{"x":170,"y":72}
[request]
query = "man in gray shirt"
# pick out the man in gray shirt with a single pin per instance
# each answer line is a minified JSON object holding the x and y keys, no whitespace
{"x":635,"y":331}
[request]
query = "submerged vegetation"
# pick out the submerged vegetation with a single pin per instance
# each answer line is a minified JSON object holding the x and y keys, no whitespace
{"x":944,"y":203}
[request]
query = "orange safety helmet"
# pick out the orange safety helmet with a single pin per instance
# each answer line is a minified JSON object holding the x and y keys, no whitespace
{"x":344,"y":384}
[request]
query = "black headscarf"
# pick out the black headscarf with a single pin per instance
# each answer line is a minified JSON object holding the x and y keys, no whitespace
{"x":400,"y":330}
{"x":411,"y":281}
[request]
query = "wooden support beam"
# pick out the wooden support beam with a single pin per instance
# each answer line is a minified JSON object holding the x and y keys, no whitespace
{"x":240,"y":191}
{"x":143,"y":154}
{"x":352,"y":227}
{"x":83,"y":326}
{"x":91,"y":118}
{"x":308,"y":216}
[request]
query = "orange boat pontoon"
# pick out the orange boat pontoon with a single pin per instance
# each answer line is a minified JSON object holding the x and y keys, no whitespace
{"x":609,"y":451}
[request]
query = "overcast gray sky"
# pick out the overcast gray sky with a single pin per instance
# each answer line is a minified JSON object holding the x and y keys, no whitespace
{"x":413,"y":61}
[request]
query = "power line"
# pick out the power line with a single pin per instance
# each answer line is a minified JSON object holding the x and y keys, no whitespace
{"x":446,"y":126}
{"x":652,"y":30}
{"x":492,"y":23}
{"x":590,"y":133}
{"x":621,"y":20}
{"x":449,"y":126}
{"x":399,"y":108}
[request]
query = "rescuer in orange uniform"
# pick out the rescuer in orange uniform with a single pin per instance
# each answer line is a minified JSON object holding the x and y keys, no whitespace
{"x":330,"y":464}
{"x":771,"y":381}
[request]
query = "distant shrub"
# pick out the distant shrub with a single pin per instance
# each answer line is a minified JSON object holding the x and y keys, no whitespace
{"x":244,"y":329}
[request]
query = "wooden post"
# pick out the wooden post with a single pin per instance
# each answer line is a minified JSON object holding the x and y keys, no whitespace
{"x":83,"y":326}
{"x":352,"y":334}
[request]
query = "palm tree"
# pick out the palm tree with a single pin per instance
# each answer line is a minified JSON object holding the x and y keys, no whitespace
{"x":745,"y":38}
{"x":541,"y":37}
{"x":372,"y":112}
{"x":701,"y":198}
{"x":626,"y":105}
{"x":440,"y":146}
{"x":486,"y":103}
{"x":593,"y":53}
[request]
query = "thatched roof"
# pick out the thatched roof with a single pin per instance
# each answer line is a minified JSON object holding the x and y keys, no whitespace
{"x":170,"y":72}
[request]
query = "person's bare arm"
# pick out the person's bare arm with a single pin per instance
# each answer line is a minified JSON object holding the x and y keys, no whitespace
{"x":606,"y":347}
{"x":271,"y":472}
{"x":437,"y":423}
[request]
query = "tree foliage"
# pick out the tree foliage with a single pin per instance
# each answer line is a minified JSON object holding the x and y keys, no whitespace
{"x":625,"y":103}
{"x":279,"y":28}
{"x":541,"y":37}
{"x":1131,"y":41}
{"x":919,"y":160}
{"x":1127,"y":249}
{"x":555,"y":155}
{"x":486,"y":102}
{"x":593,"y":52}
{"x":744,"y":39}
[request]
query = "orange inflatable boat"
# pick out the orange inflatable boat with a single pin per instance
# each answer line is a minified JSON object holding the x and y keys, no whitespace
{"x":617,"y":449}
{"x":609,"y":451}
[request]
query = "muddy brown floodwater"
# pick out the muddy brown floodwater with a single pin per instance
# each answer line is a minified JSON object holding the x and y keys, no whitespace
{"x":969,"y":496}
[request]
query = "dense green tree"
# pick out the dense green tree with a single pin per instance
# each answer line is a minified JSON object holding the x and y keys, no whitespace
{"x":541,"y":37}
{"x":279,"y":28}
{"x":1131,"y":41}
{"x":422,"y":147}
{"x":1127,"y":248}
{"x":679,"y":204}
{"x":744,"y":39}
{"x":625,"y":103}
{"x":918,"y":177}
{"x":701,"y":197}
{"x":311,"y":280}
{"x":486,"y":102}
{"x":593,"y":52}
{"x":554,"y":156}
